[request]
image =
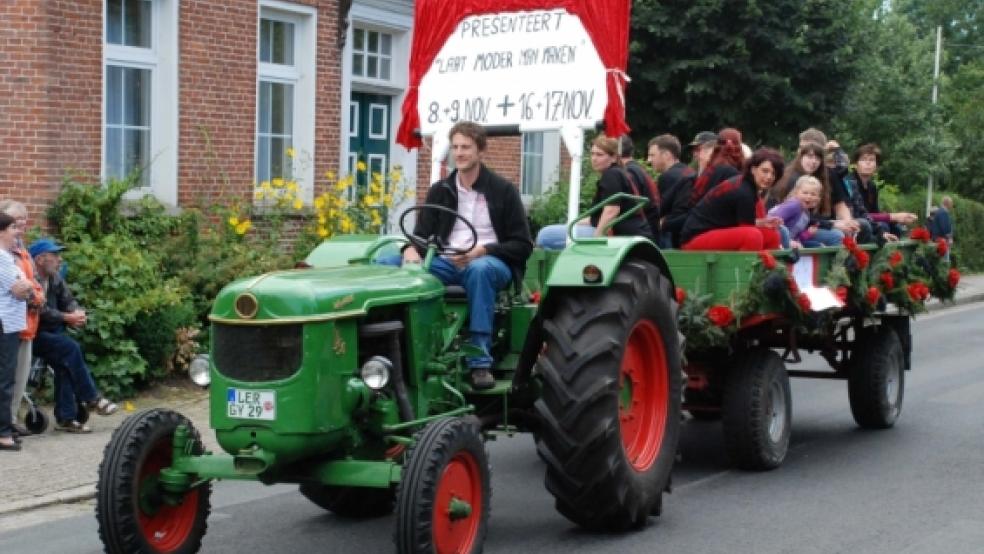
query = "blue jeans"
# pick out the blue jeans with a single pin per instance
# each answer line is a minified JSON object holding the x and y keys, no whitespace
{"x":482,"y":279}
{"x":9,"y":344}
{"x":784,"y":236}
{"x":825,"y":237}
{"x":554,"y":237}
{"x":73,"y":380}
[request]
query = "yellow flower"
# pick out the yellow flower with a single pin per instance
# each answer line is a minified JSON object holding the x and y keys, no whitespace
{"x":322,"y":232}
{"x":388,"y":200}
{"x":258,"y":194}
{"x":243,"y":227}
{"x":298,"y":203}
{"x":376,"y":219}
{"x":322,"y":220}
{"x":345,"y":224}
{"x":292,"y":186}
{"x":369,"y":199}
{"x":330,"y":175}
{"x":361,"y":165}
{"x":265,"y":185}
{"x":278,"y":182}
{"x":319,"y":203}
{"x":233,"y":221}
{"x":290,"y":152}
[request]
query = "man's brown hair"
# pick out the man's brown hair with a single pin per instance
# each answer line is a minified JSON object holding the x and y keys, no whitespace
{"x":471,"y":130}
{"x":870,"y":148}
{"x":669,"y":143}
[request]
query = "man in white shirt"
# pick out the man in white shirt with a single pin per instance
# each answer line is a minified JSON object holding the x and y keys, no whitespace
{"x":493,"y":206}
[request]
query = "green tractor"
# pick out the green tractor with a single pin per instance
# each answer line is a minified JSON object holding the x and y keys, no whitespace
{"x":348,"y":378}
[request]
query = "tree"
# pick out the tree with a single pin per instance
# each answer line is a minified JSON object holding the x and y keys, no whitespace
{"x":770,"y":68}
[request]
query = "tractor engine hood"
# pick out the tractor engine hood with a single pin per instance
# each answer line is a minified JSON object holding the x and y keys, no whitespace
{"x":301,"y":295}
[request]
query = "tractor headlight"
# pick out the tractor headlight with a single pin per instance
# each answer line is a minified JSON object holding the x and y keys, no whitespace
{"x":198,"y":370}
{"x":375,"y":372}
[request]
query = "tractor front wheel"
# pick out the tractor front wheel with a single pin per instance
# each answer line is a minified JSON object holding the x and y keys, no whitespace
{"x":131,"y":509}
{"x":443,"y":495}
{"x":610,"y":407}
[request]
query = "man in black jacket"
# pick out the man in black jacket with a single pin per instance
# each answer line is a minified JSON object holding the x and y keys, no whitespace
{"x":494,"y":208}
{"x":675,"y":183}
{"x":73,"y":380}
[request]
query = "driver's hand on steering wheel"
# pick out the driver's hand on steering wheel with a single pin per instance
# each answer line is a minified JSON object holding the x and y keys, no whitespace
{"x":410,"y":256}
{"x":462,"y":260}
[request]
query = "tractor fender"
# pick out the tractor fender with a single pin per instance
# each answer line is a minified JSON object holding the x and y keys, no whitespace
{"x":567,"y":273}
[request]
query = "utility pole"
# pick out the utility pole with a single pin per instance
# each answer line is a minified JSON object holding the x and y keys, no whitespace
{"x":936,"y":96}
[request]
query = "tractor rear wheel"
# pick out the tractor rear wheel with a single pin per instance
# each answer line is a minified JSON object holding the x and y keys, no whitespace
{"x":350,"y":502}
{"x":444,"y":493}
{"x":757,"y":411}
{"x":876,"y":383}
{"x":610,"y":406}
{"x":130,"y":508}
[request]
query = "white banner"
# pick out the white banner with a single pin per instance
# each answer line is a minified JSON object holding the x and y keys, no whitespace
{"x":538,"y":69}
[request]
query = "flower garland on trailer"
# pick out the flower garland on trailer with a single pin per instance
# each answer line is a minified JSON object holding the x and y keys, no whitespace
{"x":773,"y":289}
{"x":704,"y":325}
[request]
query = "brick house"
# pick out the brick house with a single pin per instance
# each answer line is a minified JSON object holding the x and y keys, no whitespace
{"x":206,"y":96}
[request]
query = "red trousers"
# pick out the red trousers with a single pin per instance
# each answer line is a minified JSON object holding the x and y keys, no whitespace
{"x":746,"y":238}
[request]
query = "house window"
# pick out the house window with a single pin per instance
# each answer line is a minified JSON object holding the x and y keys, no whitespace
{"x":140,"y":95}
{"x":372,"y":54}
{"x":532,"y":164}
{"x":285,"y":113}
{"x":128,"y":89}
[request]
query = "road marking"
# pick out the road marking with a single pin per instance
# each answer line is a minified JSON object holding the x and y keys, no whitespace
{"x":702,"y":481}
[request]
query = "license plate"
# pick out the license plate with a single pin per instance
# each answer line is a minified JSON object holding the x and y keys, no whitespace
{"x":252,"y":404}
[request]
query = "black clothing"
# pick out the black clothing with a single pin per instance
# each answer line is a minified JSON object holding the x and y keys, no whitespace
{"x":58,"y":300}
{"x":613,"y":181}
{"x":505,"y":210}
{"x":709,"y":178}
{"x":729,"y":204}
{"x":644,"y":186}
{"x":675,"y":187}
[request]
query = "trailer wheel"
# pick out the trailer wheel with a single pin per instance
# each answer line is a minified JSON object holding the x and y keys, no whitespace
{"x":757,"y":411}
{"x":443,"y":495}
{"x":610,"y":406}
{"x":876,"y":383}
{"x":350,"y":502}
{"x":131,"y":512}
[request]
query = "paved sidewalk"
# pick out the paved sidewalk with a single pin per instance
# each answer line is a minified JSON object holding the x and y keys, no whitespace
{"x":57,"y":467}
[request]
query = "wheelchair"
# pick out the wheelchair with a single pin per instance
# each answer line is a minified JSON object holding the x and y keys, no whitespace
{"x":35,"y":419}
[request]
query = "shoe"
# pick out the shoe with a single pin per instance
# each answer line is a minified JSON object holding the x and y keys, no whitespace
{"x":21,"y":430}
{"x":72,"y":427}
{"x":103,"y":406}
{"x":15,"y":446}
{"x":482,"y":379}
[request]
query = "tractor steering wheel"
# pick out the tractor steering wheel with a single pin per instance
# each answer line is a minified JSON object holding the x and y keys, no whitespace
{"x":437,"y":243}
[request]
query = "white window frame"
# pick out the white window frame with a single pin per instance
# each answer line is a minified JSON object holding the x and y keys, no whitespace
{"x":549,"y":163}
{"x":366,"y":54}
{"x":303,"y":76}
{"x":161,"y":59}
{"x":353,"y":129}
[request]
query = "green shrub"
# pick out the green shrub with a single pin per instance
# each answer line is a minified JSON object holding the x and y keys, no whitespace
{"x":155,"y":335}
{"x":968,"y":243}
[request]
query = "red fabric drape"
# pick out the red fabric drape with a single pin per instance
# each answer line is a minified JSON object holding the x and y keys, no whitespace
{"x":607,"y":23}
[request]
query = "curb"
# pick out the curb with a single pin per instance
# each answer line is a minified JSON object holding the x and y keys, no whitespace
{"x":67,"y":496}
{"x":937,"y":305}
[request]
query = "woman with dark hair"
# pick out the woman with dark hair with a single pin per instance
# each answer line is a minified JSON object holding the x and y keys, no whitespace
{"x":726,"y":162}
{"x":731,"y":216}
{"x":833,"y":218}
{"x":14,"y":290}
{"x":606,"y":159}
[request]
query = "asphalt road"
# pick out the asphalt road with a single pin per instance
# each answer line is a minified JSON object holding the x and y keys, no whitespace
{"x":916,"y":488}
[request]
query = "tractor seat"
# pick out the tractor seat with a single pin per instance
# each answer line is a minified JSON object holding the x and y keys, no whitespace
{"x":455,"y":292}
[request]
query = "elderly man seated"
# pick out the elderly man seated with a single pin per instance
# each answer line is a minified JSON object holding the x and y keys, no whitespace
{"x":73,"y":380}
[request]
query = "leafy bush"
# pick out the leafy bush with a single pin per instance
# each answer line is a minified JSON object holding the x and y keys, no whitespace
{"x":968,"y":243}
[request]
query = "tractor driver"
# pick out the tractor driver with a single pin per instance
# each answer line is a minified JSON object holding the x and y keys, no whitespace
{"x":492,"y":204}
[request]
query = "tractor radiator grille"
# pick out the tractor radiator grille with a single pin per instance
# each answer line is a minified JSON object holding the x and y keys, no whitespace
{"x":257,"y":352}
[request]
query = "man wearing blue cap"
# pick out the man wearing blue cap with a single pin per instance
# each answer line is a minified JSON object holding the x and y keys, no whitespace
{"x":73,"y":380}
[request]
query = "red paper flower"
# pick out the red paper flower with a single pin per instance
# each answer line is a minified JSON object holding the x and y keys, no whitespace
{"x":535,"y":297}
{"x":842,"y":293}
{"x":768,"y":260}
{"x":720,"y":315}
{"x":862,"y":257}
{"x":873,"y":295}
{"x":850,"y":243}
{"x":804,"y":302}
{"x":895,"y":258}
{"x":918,"y":291}
{"x":953,"y":277}
{"x":681,"y":295}
{"x":887,"y":280}
{"x":920,"y":233}
{"x":942,"y":247}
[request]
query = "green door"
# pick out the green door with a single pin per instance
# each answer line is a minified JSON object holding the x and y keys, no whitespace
{"x":369,"y":133}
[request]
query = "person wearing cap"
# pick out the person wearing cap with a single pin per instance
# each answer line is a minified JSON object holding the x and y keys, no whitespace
{"x":683,"y":200}
{"x":35,"y":301}
{"x":703,"y":147}
{"x":73,"y":380}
